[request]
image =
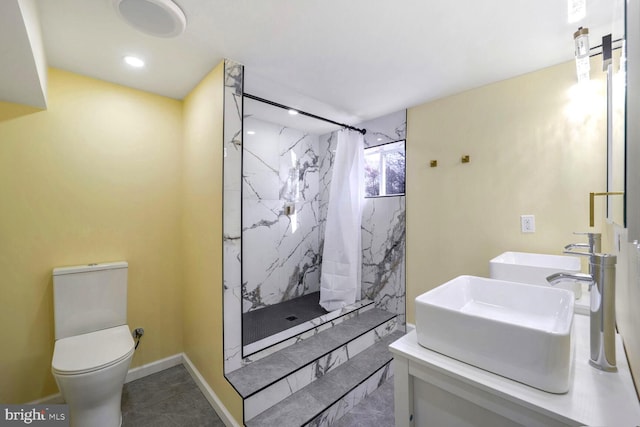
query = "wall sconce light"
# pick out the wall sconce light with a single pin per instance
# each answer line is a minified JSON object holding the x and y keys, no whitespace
{"x":583,"y":68}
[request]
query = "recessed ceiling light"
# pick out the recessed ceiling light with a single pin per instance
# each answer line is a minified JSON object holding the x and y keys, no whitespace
{"x":293,"y":112}
{"x":134,"y":61}
{"x":251,"y":132}
{"x":160,"y":18}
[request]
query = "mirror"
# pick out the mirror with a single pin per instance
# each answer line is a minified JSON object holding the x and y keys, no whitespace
{"x":616,"y":98}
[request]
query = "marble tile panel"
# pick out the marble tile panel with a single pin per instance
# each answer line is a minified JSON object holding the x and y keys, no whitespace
{"x":376,"y":410}
{"x":293,"y":412}
{"x":259,"y":374}
{"x":232,"y":214}
{"x":385,"y":129}
{"x":277,"y":392}
{"x":261,"y":162}
{"x":294,"y":382}
{"x":377,"y":355}
{"x":351,"y":399}
{"x":312,"y":348}
{"x":335,"y":384}
{"x":261,"y":274}
{"x":289,"y":158}
{"x":232,"y":233}
{"x":284,"y":339}
{"x":383,"y":264}
{"x":361,"y":343}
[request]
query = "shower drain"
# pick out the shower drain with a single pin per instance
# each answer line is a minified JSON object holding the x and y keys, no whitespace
{"x":291,"y":318}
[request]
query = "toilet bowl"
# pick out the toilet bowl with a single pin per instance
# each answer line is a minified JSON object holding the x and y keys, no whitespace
{"x":94,"y":346}
{"x":90,"y":370}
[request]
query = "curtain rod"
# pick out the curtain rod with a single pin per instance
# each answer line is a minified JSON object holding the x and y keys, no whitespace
{"x":304,"y":113}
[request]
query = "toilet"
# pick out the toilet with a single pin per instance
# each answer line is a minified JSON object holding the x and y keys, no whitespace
{"x":94,"y":346}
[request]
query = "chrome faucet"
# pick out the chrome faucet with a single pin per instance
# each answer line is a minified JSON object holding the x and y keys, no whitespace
{"x":593,"y":247}
{"x":602,"y":284}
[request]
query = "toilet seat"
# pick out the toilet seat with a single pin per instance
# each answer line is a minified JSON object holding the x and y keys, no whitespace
{"x":90,"y":352}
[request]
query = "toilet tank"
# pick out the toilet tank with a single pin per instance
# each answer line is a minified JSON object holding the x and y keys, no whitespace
{"x":89,"y":298}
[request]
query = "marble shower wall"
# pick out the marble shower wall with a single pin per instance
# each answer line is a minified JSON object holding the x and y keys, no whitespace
{"x":232,"y":209}
{"x":279,"y":214}
{"x":383,"y":221}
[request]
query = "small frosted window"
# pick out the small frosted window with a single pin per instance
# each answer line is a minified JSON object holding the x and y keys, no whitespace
{"x":384,"y":170}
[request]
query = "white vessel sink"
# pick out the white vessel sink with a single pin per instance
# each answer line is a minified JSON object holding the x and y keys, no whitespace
{"x":519,"y":331}
{"x":534,"y":269}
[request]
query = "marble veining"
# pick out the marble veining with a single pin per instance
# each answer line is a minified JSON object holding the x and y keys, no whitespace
{"x":232,"y":201}
{"x":291,"y":336}
{"x":281,"y":196}
{"x":280,"y":214}
{"x":383,"y":221}
{"x":313,"y":371}
{"x":353,"y":398}
{"x":383,"y":246}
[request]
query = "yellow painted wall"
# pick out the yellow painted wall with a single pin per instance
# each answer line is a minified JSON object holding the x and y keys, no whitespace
{"x":202,"y":235}
{"x":95,"y":178}
{"x":537,"y":145}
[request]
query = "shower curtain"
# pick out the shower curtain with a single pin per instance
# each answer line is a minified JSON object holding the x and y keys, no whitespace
{"x":342,"y":253}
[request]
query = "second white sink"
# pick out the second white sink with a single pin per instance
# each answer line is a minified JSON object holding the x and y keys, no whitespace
{"x":533,"y":269}
{"x":519,"y":331}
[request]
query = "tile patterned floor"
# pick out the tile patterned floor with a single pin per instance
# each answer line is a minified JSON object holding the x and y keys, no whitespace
{"x":374,"y":411}
{"x":172,"y":399}
{"x":167,"y":399}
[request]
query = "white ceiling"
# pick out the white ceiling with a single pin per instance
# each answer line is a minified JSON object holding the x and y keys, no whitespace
{"x":348,"y":60}
{"x":22,"y":58}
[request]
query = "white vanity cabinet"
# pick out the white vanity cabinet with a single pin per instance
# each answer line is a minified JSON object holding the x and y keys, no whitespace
{"x":434,"y":390}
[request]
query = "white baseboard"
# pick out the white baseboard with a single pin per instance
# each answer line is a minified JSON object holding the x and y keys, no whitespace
{"x":53,"y":399}
{"x":209,"y":394}
{"x":133,"y":374}
{"x":160,"y":365}
{"x":153,"y":367}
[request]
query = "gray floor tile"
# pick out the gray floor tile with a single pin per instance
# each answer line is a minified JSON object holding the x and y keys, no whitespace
{"x":263,"y":372}
{"x":146,"y":419}
{"x":293,"y":411}
{"x":172,"y":399}
{"x":335,"y":384}
{"x":254,"y":377}
{"x":374,"y":411}
{"x":376,"y":355}
{"x":310,"y":349}
{"x":167,"y":399}
{"x":155,"y":388}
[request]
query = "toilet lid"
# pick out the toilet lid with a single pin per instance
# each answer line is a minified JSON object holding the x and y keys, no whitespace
{"x":92,"y":351}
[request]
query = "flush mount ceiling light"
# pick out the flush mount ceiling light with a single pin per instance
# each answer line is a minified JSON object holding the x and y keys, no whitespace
{"x":160,"y":18}
{"x":293,"y":112}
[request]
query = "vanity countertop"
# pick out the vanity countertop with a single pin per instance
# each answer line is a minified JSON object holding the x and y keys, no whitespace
{"x":595,"y":398}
